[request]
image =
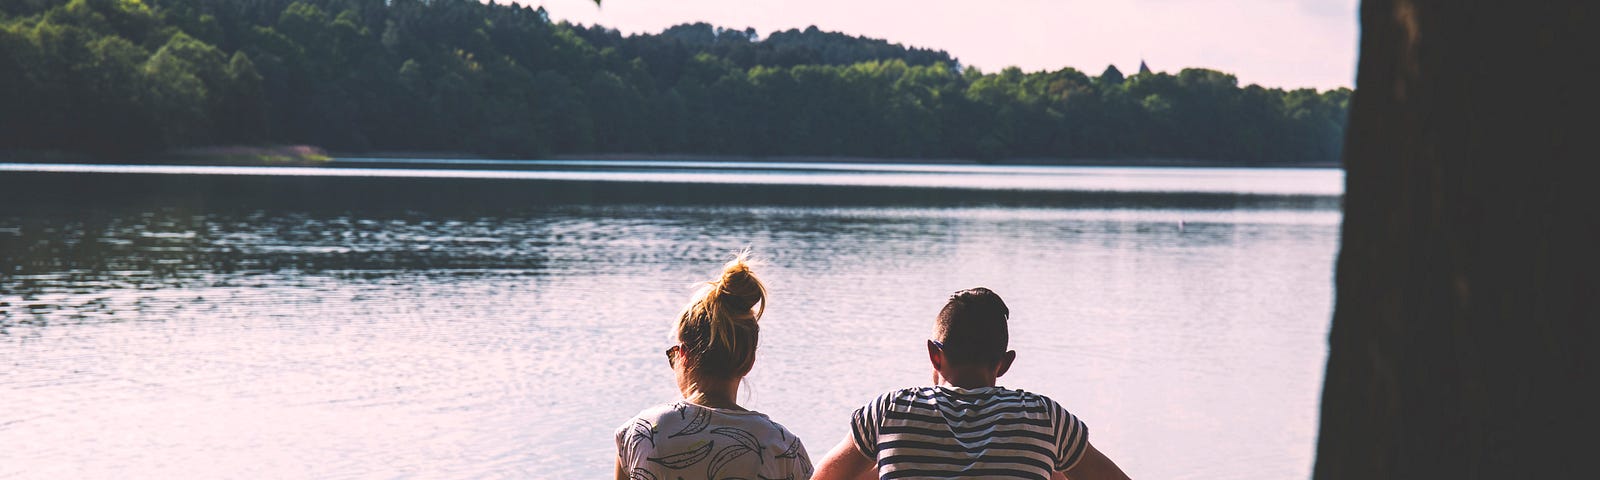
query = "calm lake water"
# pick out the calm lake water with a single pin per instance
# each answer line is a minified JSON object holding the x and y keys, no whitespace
{"x":501,"y":320}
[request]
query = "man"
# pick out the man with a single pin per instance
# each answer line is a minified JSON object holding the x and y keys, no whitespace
{"x":964,"y":426}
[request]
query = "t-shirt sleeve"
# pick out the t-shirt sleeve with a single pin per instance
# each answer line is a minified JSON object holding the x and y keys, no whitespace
{"x":622,"y":437}
{"x":804,"y":460}
{"x":629,"y":436}
{"x":864,"y":425}
{"x":1071,"y":436}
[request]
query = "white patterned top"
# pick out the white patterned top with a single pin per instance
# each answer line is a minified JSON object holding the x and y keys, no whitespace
{"x":686,"y":441}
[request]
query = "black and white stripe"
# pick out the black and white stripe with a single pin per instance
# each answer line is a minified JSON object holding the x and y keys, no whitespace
{"x":945,"y":432}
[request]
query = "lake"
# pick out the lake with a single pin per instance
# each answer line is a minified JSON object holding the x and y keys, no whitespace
{"x":380,"y":318}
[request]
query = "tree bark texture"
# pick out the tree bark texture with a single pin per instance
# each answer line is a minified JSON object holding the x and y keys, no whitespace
{"x":1464,"y":325}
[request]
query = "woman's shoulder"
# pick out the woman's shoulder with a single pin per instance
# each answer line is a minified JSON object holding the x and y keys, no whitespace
{"x":651,"y":419}
{"x":761,"y":420}
{"x":698,"y":416}
{"x":744,"y":420}
{"x":662,"y":411}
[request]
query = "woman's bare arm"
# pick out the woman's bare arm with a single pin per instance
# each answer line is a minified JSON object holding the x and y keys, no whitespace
{"x":844,"y":462}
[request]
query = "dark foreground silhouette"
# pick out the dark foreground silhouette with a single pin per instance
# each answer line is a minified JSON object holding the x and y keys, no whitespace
{"x":1463,"y":341}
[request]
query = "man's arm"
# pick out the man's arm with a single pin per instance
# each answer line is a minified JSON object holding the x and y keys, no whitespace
{"x":1093,"y":466}
{"x":844,"y":462}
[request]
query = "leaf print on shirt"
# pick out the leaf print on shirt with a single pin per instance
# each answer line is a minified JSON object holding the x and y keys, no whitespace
{"x":685,"y":458}
{"x":702,"y":419}
{"x":784,"y":434}
{"x":792,"y":452}
{"x":641,"y":431}
{"x":726,"y":455}
{"x":744,"y":438}
{"x":641,"y":474}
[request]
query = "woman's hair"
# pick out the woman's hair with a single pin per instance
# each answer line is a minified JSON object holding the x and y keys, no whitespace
{"x":718,"y":328}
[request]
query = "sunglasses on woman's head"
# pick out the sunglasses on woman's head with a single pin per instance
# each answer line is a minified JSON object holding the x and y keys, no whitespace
{"x":669,"y":355}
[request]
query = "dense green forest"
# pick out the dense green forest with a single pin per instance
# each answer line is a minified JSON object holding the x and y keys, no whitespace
{"x":114,"y":77}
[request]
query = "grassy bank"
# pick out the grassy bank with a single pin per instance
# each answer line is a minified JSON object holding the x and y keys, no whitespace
{"x":274,"y":155}
{"x":297,"y":155}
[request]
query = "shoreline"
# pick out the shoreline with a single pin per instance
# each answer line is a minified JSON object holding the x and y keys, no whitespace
{"x":303,"y":156}
{"x":845,"y":159}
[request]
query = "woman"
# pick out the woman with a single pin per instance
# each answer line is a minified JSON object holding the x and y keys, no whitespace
{"x":707,"y":434}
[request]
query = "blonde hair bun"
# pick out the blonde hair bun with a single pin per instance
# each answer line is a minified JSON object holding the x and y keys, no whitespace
{"x":738,"y":287}
{"x":719,"y":326}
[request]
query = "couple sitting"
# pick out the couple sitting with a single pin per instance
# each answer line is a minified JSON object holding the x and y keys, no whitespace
{"x":961,"y":427}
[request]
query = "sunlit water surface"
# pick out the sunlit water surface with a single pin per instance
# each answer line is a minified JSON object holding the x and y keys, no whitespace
{"x":258,"y":341}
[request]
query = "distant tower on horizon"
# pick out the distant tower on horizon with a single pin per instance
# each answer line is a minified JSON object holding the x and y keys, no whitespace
{"x":1143,"y":69}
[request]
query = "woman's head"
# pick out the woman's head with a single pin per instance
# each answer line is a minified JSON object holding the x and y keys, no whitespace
{"x":718,"y":331}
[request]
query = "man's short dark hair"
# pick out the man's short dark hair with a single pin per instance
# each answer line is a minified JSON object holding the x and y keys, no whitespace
{"x":972,"y":327}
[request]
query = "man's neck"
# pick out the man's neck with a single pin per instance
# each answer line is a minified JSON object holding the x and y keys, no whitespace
{"x":966,"y":380}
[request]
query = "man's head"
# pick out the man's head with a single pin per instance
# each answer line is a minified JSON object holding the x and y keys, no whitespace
{"x":970,"y":334}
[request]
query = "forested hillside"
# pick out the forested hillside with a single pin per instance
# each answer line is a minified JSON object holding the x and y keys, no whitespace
{"x":113,"y":77}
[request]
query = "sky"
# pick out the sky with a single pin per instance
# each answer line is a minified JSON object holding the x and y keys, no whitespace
{"x":1274,"y":43}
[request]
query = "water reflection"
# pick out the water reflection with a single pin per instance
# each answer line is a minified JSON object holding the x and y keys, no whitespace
{"x":1231,"y":181}
{"x":172,"y":334}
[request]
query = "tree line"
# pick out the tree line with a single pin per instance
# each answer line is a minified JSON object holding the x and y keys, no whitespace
{"x":113,"y":77}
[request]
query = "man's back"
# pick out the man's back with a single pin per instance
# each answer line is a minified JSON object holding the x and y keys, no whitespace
{"x":966,"y":427}
{"x":946,"y":432}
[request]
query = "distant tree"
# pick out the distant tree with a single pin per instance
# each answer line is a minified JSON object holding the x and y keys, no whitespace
{"x":240,"y":115}
{"x":183,"y":74}
{"x":117,"y":76}
{"x":17,"y":55}
{"x":1111,"y":76}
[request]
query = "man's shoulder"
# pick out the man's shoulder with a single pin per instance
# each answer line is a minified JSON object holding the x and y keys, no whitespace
{"x":927,"y":393}
{"x":1021,"y":394}
{"x":903,"y":394}
{"x":1033,"y":400}
{"x":902,"y":397}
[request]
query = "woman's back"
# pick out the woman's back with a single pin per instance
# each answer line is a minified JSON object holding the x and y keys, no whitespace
{"x":691,"y":441}
{"x":707,"y":435}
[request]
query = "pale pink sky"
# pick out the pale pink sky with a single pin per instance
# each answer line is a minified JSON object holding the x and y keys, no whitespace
{"x":1275,"y":43}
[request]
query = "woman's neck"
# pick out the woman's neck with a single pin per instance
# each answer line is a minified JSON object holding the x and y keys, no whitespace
{"x":715,"y":394}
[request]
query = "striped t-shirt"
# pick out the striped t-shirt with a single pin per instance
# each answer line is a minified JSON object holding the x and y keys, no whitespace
{"x":948,"y":432}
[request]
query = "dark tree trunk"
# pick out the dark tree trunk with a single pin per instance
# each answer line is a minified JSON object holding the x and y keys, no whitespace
{"x":1463,"y":335}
